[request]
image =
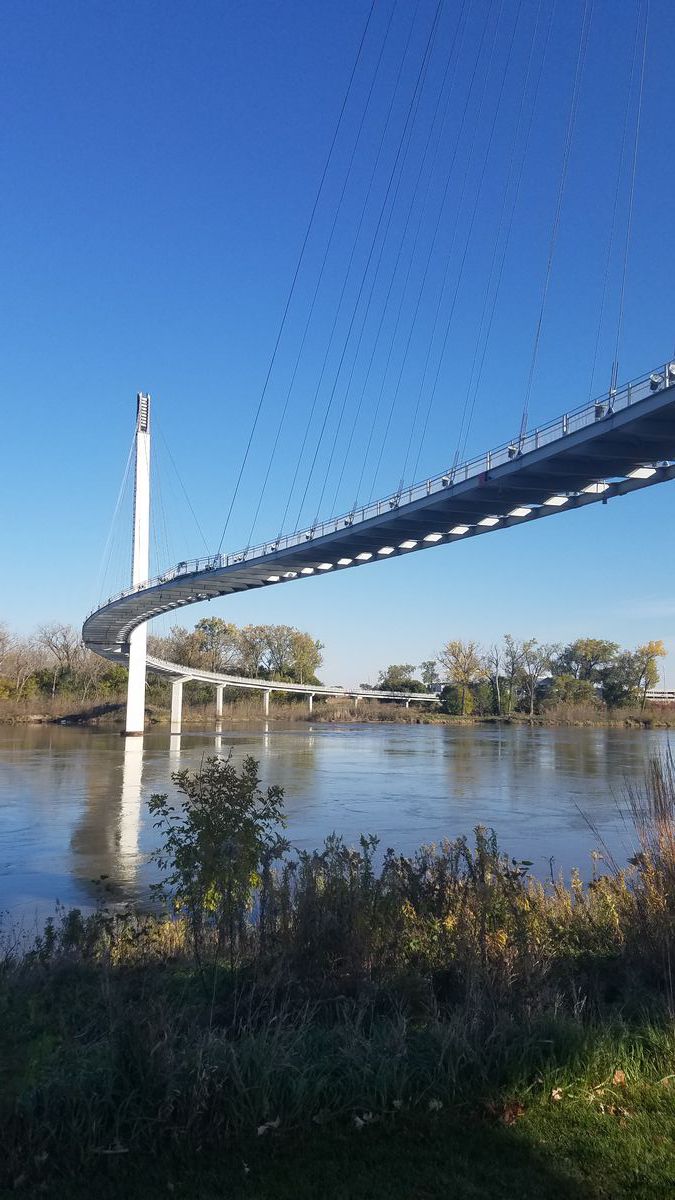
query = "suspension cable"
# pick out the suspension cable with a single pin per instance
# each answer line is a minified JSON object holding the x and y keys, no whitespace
{"x":385,"y":307}
{"x":398,"y":255}
{"x":329,"y":243}
{"x":296,"y":273}
{"x":477,"y":379}
{"x":448,"y":258}
{"x":393,"y":340}
{"x":615,"y":208}
{"x":460,"y":274}
{"x":571,"y":121}
{"x":338,"y":306}
{"x":420,"y":78}
{"x":182,"y":485}
{"x":104,"y":564}
{"x":629,"y":225}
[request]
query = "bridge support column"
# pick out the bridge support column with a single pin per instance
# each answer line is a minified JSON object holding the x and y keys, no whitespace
{"x":356,"y":701}
{"x":266,"y":702}
{"x":135,"y":717}
{"x":407,"y":704}
{"x":310,"y":701}
{"x":219,"y":699}
{"x":176,"y":705}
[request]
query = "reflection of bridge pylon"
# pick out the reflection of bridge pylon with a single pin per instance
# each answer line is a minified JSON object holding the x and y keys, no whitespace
{"x":130,"y":806}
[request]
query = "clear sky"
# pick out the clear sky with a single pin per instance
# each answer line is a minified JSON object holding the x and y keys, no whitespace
{"x":160,"y":163}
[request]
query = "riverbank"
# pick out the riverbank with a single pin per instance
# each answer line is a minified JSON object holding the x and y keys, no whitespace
{"x":442,"y":1025}
{"x":332,"y":711}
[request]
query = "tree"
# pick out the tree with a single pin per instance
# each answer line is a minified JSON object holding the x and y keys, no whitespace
{"x":454,"y":702}
{"x":429,"y":674}
{"x":647,"y":667}
{"x":399,"y":677}
{"x":21,"y":663}
{"x":513,"y":670}
{"x":5,"y":643}
{"x":536,"y":662}
{"x":181,"y":646}
{"x":252,"y":650}
{"x":493,"y":669}
{"x":463,"y":665}
{"x":306,"y":657}
{"x":620,"y":680}
{"x":585,"y":658}
{"x":567,"y":689}
{"x":483,"y":702}
{"x":216,"y":642}
{"x":64,"y":646}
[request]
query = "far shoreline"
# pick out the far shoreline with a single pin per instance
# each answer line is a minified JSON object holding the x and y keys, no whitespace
{"x":245,"y":712}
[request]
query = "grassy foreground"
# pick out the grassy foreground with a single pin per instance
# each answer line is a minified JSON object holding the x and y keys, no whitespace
{"x":441,"y":1025}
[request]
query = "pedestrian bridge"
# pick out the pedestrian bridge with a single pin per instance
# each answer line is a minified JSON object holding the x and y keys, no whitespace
{"x":621,"y":443}
{"x":180,"y":675}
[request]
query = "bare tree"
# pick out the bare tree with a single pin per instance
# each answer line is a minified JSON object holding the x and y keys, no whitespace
{"x":536,"y":663}
{"x":64,"y":646}
{"x":6,"y":641}
{"x":513,"y":668}
{"x":23,"y":660}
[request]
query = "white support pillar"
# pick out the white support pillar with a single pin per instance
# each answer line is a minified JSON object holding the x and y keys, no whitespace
{"x":356,"y":701}
{"x":266,"y":702}
{"x":310,"y":701}
{"x":140,"y":566}
{"x":407,"y":704}
{"x":220,"y":688}
{"x":176,"y":705}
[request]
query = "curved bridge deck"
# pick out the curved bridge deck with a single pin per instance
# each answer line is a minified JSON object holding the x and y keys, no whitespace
{"x":602,"y":450}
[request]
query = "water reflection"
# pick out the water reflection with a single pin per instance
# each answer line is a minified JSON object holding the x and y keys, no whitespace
{"x":73,"y":802}
{"x":130,"y":809}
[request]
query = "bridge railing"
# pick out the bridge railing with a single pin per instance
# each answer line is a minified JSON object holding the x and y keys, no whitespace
{"x":570,"y":422}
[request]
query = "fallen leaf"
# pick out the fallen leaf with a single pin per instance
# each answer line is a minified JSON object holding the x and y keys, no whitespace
{"x":511,"y":1111}
{"x":619,"y":1078}
{"x":557,"y":1094}
{"x":269,"y":1125}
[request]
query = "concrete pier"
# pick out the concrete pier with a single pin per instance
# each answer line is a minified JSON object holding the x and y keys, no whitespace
{"x":176,"y":705}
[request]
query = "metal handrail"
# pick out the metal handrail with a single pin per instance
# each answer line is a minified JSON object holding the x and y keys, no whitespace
{"x":570,"y":422}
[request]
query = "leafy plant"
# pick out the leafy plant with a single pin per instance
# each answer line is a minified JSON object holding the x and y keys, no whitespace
{"x":214,"y":848}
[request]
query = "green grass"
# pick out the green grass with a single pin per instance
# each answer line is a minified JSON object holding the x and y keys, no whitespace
{"x":566,"y":1150}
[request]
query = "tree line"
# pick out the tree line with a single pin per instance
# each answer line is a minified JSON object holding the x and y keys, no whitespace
{"x":256,"y":651}
{"x":54,"y":662}
{"x":522,"y":675}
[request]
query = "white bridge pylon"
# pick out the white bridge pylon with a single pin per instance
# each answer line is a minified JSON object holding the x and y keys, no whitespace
{"x":140,"y":566}
{"x":621,"y":443}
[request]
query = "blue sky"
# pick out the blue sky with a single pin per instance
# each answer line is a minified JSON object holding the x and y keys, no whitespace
{"x":160,"y":164}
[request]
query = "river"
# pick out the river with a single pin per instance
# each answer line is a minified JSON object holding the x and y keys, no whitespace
{"x":73,"y":801}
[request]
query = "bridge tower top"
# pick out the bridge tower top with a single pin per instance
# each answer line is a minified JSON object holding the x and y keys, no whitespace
{"x":142,"y":412}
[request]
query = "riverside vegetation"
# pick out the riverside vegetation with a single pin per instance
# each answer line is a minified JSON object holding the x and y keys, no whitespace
{"x":347,"y":1023}
{"x":53,"y":676}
